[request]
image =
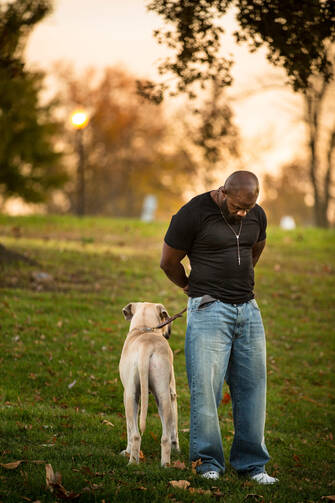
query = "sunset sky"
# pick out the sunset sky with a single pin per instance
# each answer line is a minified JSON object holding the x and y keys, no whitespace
{"x":119,"y":32}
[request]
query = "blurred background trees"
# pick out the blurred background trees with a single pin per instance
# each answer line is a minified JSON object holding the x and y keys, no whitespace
{"x":287,"y":193}
{"x":298,"y":37}
{"x":31,"y":165}
{"x":130,"y":146}
{"x":134,"y":147}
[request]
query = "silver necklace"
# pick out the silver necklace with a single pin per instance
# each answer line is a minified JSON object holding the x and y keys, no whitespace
{"x":236,"y":235}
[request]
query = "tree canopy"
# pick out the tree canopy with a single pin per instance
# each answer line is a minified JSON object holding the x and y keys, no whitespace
{"x":295,"y":35}
{"x":30,"y":165}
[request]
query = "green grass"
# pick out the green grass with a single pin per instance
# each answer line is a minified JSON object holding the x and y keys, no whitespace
{"x":72,"y":330}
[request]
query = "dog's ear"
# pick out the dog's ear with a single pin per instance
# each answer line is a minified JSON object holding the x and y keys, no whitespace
{"x":164,"y":315}
{"x":128,"y":312}
{"x":162,"y":312}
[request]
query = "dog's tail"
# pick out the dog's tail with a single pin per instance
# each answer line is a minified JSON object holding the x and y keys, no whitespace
{"x":143,"y":369}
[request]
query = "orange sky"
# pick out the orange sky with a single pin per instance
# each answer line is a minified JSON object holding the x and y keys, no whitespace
{"x":109,"y":32}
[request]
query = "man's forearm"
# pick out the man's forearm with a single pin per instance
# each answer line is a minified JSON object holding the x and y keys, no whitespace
{"x":257,"y":251}
{"x":176,"y":274}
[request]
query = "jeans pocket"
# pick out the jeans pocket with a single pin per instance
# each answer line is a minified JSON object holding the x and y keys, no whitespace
{"x":206,"y":302}
{"x":206,"y":305}
{"x":254,"y":303}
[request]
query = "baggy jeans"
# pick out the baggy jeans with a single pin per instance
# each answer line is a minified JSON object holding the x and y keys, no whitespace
{"x":226,"y":342}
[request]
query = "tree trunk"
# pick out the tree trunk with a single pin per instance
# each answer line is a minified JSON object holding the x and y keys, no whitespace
{"x":313,"y":102}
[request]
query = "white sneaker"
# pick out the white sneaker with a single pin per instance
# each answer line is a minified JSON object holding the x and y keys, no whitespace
{"x":211,"y":475}
{"x":264,"y":478}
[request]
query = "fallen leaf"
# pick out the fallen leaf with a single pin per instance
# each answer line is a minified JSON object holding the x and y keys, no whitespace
{"x":53,"y":483}
{"x":200,"y":491}
{"x":185,"y":430}
{"x":141,"y":456}
{"x":226,"y":398}
{"x":179,"y":464}
{"x":329,"y":498}
{"x":218,"y":493}
{"x":15,"y":464}
{"x":297,"y":460}
{"x":180,"y":484}
{"x":195,"y":464}
{"x":12,"y":466}
{"x":108,"y":423}
{"x":154,"y":436}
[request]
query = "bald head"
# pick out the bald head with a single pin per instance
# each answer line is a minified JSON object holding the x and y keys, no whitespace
{"x":242,"y":181}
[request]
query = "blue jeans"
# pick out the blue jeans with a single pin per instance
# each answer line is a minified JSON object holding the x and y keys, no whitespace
{"x":226,"y":342}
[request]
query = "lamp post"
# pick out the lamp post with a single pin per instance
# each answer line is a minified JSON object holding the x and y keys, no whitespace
{"x":79,"y":120}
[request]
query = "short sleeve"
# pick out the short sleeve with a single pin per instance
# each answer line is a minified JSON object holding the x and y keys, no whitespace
{"x":182,"y":229}
{"x":262,"y":224}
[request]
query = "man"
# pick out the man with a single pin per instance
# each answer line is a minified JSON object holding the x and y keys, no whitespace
{"x":223,"y":232}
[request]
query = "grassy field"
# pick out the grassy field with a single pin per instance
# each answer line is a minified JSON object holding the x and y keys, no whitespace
{"x":60,"y":393}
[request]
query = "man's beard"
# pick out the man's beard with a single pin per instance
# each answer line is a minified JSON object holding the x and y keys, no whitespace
{"x":232,"y":219}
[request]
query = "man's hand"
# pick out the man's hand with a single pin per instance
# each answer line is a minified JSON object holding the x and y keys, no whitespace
{"x":170,"y":263}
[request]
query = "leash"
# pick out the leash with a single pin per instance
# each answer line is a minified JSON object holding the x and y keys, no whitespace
{"x":169,"y":320}
{"x":161,"y":325}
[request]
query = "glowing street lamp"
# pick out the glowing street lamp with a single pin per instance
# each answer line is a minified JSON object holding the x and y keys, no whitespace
{"x":79,"y":120}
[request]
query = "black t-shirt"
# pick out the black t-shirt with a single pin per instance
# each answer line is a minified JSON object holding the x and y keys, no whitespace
{"x":199,"y":229}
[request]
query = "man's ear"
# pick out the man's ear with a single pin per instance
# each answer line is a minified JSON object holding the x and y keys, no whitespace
{"x":162,"y":312}
{"x":128,"y":311}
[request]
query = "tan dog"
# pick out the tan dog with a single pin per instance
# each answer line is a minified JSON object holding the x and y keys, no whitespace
{"x":146,"y":364}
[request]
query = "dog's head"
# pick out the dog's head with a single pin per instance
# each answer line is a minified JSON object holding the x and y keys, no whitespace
{"x":146,"y":314}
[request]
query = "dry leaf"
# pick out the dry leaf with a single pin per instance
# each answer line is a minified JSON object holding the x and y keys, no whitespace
{"x":329,"y":498}
{"x":154,"y":436}
{"x":195,"y":464}
{"x":180,"y":484}
{"x":200,"y":491}
{"x":141,"y":456}
{"x":53,"y":483}
{"x":226,"y":398}
{"x":15,"y":464}
{"x":108,"y":423}
{"x":218,"y":493}
{"x":179,"y":464}
{"x":50,"y":477}
{"x":12,"y":466}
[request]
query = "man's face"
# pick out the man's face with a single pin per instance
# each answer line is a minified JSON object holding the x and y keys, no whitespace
{"x":239,"y":203}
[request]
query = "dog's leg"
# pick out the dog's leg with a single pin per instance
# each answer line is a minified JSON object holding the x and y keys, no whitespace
{"x":133,"y":432}
{"x":174,"y":429}
{"x":165,"y":412}
{"x":126,"y":451}
{"x":174,"y":432}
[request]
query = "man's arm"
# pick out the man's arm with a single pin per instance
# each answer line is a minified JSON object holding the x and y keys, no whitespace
{"x":257,"y":250}
{"x":171,"y":265}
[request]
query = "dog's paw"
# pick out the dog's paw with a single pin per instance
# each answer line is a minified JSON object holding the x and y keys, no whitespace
{"x":125,"y":453}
